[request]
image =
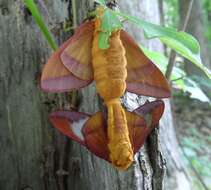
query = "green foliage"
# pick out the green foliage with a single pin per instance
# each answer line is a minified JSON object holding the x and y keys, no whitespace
{"x":155,"y":31}
{"x":171,"y":13}
{"x":195,"y":90}
{"x":207,"y":20}
{"x":184,"y":50}
{"x":172,"y":19}
{"x":179,"y":78}
{"x":202,"y":81}
{"x":109,"y":22}
{"x":183,"y":43}
{"x":156,"y":57}
{"x":101,"y":2}
{"x":39,"y":20}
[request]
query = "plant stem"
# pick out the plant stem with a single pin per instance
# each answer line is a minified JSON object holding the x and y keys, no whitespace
{"x":74,"y":13}
{"x":162,"y":21}
{"x":187,"y":15}
{"x":170,"y":65}
{"x":172,"y":55}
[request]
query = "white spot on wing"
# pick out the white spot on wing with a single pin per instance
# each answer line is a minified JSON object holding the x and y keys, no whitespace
{"x":77,"y":127}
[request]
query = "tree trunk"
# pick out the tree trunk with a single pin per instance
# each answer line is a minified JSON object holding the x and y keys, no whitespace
{"x":33,"y":154}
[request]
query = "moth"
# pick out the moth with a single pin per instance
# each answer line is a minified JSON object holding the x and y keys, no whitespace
{"x":119,"y":68}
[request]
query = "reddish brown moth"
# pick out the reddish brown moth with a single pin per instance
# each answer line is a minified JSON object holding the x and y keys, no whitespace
{"x":123,"y":66}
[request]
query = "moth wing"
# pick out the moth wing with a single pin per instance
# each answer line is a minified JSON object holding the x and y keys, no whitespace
{"x":143,"y":77}
{"x":96,"y":136}
{"x":137,"y":130}
{"x":77,"y":56}
{"x":142,"y":121}
{"x":56,"y":77}
{"x":70,"y":123}
{"x":89,"y":131}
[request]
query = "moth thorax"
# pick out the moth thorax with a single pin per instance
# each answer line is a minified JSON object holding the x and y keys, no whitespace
{"x":112,"y":89}
{"x":109,"y":67}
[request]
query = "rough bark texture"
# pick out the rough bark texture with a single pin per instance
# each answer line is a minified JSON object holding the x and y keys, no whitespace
{"x":26,"y":152}
{"x":35,"y":156}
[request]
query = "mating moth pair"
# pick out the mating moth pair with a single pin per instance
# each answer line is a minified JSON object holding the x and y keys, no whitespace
{"x":119,"y":68}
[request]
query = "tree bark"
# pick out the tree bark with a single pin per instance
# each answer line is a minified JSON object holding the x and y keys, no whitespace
{"x":35,"y":156}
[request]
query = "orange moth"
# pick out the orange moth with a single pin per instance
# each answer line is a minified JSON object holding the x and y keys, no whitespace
{"x":123,"y":66}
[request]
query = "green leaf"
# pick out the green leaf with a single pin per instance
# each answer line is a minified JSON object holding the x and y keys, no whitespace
{"x":103,"y":40}
{"x":101,"y":2}
{"x":185,"y":52}
{"x":39,"y":21}
{"x":162,"y":61}
{"x":109,"y":23}
{"x":201,"y":80}
{"x":156,"y":31}
{"x":156,"y":57}
{"x":178,"y":76}
{"x":195,"y":92}
{"x":183,"y":43}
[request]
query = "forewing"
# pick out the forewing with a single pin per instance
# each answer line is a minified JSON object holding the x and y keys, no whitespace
{"x":96,"y":136}
{"x":142,"y":121}
{"x":56,"y":77}
{"x":77,"y":55}
{"x":143,"y":77}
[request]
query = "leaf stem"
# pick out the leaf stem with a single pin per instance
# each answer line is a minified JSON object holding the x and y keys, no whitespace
{"x":172,"y":56}
{"x":40,"y":22}
{"x":170,"y":65}
{"x":180,"y":78}
{"x":74,"y":13}
{"x":162,"y":22}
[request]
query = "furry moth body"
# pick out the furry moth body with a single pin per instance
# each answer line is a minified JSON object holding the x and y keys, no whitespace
{"x":110,"y":72}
